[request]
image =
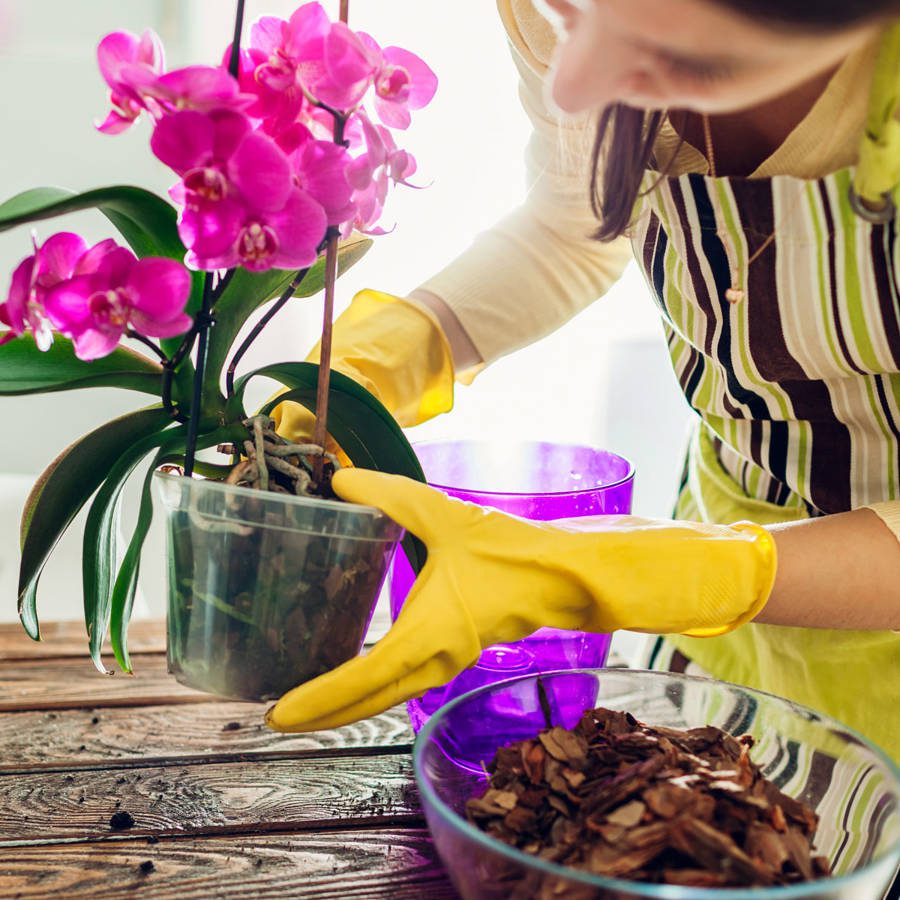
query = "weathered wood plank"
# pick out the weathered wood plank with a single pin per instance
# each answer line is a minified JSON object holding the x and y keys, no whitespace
{"x":76,"y":684}
{"x":237,"y":797}
{"x":95,"y":737}
{"x":68,"y":639}
{"x":332,"y":865}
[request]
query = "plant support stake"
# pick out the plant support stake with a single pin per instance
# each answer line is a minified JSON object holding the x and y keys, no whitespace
{"x":320,"y":431}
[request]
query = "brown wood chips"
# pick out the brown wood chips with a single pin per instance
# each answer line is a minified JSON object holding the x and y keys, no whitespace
{"x":619,"y":798}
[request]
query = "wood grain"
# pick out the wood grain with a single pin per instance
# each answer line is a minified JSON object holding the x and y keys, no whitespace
{"x":331,"y":865}
{"x":68,"y":639}
{"x":237,"y":797}
{"x":75,"y":683}
{"x":78,"y":738}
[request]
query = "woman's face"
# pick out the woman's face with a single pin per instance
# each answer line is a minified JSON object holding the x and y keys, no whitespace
{"x":683,"y":54}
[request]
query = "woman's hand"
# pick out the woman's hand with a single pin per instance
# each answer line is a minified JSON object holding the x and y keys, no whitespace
{"x":493,"y":578}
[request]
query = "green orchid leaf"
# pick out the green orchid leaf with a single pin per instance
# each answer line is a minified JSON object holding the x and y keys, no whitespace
{"x":64,"y":487}
{"x":26,"y":370}
{"x":125,"y":586}
{"x":248,"y":291}
{"x":145,"y":220}
{"x":364,"y":429}
{"x":99,"y":549}
{"x":122,"y":599}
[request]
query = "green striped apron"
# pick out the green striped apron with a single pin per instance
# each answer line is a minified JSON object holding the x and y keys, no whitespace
{"x":797,"y":388}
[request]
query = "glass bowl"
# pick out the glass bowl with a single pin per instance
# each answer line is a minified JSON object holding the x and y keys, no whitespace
{"x":535,"y":480}
{"x":852,"y":785}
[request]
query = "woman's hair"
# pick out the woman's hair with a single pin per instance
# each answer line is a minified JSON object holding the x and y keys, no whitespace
{"x":626,"y":136}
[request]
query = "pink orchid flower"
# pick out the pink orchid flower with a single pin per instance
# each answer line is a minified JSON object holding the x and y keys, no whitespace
{"x":228,"y":234}
{"x":372,"y":174}
{"x":96,"y":308}
{"x":22,"y":311}
{"x":126,"y":61}
{"x":403,"y":82}
{"x":220,"y":157}
{"x":61,"y":256}
{"x":282,"y":58}
{"x":243,"y":205}
{"x":350,"y":69}
{"x":134,"y":69}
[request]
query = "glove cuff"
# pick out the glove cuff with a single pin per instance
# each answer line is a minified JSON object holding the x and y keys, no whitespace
{"x":397,"y":351}
{"x":766,"y":555}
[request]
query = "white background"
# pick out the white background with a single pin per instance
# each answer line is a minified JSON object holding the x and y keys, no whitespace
{"x":603,"y":379}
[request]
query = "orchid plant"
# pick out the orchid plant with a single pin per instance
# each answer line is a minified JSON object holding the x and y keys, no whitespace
{"x":285,"y":155}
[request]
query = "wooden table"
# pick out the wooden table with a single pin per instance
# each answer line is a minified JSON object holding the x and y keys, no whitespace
{"x":221,"y":806}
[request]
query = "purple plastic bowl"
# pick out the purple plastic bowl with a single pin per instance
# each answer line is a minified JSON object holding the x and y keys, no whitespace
{"x":534,"y":480}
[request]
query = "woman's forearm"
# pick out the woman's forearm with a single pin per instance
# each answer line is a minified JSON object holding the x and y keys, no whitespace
{"x":839,"y":571}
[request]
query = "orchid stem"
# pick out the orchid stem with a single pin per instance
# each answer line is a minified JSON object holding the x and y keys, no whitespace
{"x":134,"y":335}
{"x":203,"y":320}
{"x":257,"y":329}
{"x":235,"y":60}
{"x":320,"y":431}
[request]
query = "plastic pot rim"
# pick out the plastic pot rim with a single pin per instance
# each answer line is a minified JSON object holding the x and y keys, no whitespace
{"x":344,"y":506}
{"x":624,"y":479}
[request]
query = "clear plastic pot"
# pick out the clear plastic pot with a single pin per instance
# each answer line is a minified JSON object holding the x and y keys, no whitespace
{"x":267,"y":590}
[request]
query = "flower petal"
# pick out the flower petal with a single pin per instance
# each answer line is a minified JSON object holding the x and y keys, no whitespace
{"x":305,"y":30}
{"x":267,"y":34}
{"x":94,"y":343}
{"x":184,"y":140}
{"x":58,"y":258}
{"x":300,"y":227}
{"x":360,"y":172}
{"x":350,"y":69}
{"x":201,"y":88}
{"x":67,"y":306}
{"x":423,"y":80}
{"x":210,"y":230}
{"x":19,"y":294}
{"x":91,"y":260}
{"x":260,"y":170}
{"x":229,"y":129}
{"x":150,"y":51}
{"x":158,"y":328}
{"x":115,"y":123}
{"x":158,"y":289}
{"x":113,"y":268}
{"x":393,"y":114}
{"x":113,"y":51}
{"x":322,"y":170}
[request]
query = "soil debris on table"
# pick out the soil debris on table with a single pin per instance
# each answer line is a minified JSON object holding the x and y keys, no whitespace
{"x":619,"y":798}
{"x":121,"y":820}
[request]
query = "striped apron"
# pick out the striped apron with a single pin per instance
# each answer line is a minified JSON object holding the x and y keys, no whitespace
{"x":797,"y":389}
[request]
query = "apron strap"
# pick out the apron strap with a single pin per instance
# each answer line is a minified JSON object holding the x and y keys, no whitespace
{"x":878,"y":172}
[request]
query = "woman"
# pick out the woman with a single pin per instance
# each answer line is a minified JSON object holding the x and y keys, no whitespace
{"x":748,"y":152}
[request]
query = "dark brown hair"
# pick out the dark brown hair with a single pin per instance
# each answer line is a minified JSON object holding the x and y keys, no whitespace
{"x":625,"y":137}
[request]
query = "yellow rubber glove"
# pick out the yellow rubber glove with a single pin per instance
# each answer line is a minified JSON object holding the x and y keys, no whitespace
{"x":492,"y":578}
{"x":394,"y":349}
